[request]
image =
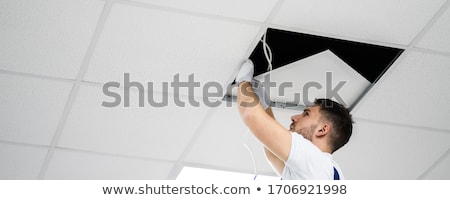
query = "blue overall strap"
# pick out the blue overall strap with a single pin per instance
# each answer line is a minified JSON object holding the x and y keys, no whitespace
{"x":336,"y":174}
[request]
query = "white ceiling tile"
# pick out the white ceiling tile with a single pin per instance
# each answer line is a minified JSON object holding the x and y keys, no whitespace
{"x":224,"y":141}
{"x":413,"y":92}
{"x":323,"y":75}
{"x":257,"y":10}
{"x":31,"y":108}
{"x":156,"y":132}
{"x":20,"y":162}
{"x":370,"y":20}
{"x":380,"y":151}
{"x":154,"y":45}
{"x":440,"y":171}
{"x":47,"y":37}
{"x":436,"y":37}
{"x":66,"y":164}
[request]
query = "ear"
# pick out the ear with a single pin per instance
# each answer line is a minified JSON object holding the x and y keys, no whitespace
{"x":324,"y":129}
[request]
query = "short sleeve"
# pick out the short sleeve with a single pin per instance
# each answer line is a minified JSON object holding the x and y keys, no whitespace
{"x":306,"y":161}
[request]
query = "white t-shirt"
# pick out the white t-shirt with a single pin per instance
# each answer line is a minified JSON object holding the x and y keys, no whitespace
{"x":307,"y":162}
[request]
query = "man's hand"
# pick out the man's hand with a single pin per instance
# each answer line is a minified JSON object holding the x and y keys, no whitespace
{"x":259,"y":90}
{"x":246,"y":72}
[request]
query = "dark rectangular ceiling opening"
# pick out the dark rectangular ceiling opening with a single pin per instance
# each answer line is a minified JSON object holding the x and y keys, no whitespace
{"x":369,"y":60}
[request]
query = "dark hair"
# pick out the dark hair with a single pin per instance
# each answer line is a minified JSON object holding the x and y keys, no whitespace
{"x":341,"y":120}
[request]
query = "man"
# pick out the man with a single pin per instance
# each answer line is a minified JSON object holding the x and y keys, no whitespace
{"x":304,"y":151}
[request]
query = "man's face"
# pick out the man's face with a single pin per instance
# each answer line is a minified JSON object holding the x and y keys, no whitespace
{"x":306,"y":123}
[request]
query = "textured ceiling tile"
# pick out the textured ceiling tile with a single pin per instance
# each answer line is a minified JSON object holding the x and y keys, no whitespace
{"x":225,"y":142}
{"x":31,"y":108}
{"x":148,"y":131}
{"x":257,"y":10}
{"x":154,"y":46}
{"x":380,"y":151}
{"x":70,"y":165}
{"x":369,"y":20}
{"x":414,"y":92}
{"x":20,"y":162}
{"x":440,"y":171}
{"x":436,"y":37}
{"x":47,"y":37}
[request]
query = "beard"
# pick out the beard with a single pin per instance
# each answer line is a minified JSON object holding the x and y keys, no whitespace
{"x":307,"y":132}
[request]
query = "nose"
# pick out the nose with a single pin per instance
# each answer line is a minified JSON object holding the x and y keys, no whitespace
{"x":295,"y":118}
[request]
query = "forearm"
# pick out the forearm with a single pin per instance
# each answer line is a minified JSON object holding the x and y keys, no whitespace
{"x":268,"y":153}
{"x":275,"y":138}
{"x":277,"y":164}
{"x":247,"y":100}
{"x":270,"y":113}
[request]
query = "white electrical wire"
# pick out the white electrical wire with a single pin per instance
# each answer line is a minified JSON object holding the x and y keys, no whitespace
{"x":251,"y":153}
{"x":267,"y":52}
